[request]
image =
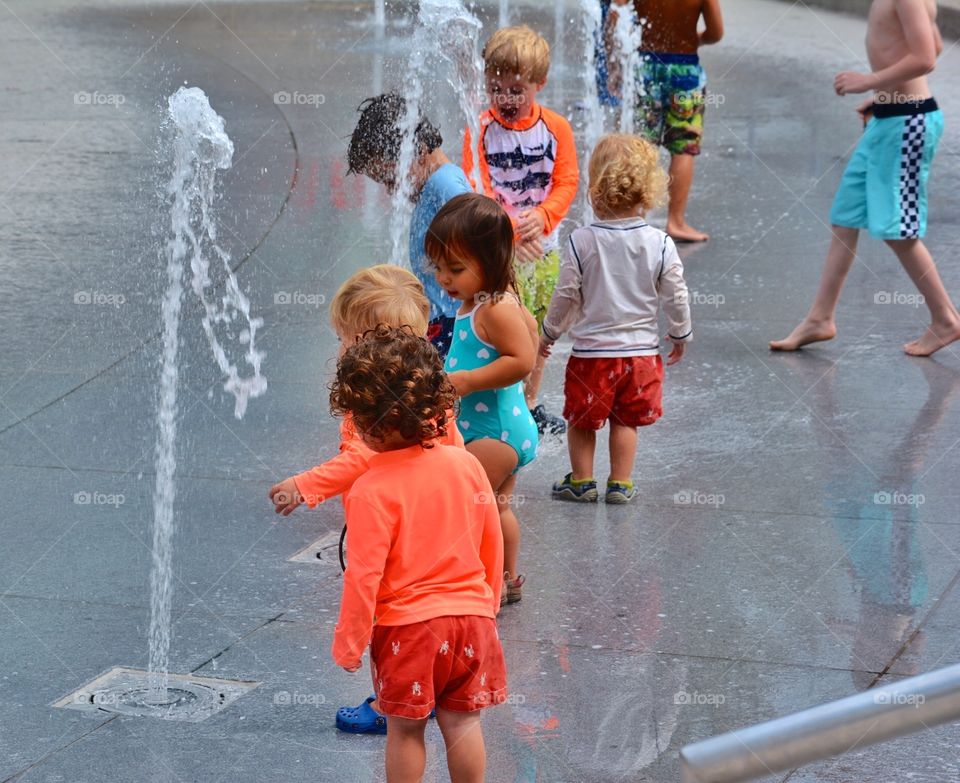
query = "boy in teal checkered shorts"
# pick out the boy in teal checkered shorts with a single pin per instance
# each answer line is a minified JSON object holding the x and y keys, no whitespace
{"x":884,"y":187}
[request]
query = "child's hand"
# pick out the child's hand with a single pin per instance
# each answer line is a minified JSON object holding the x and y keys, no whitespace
{"x":461,"y":382}
{"x":354,"y":668}
{"x":849,"y":82}
{"x":676,"y":353}
{"x":531,"y":225}
{"x":865,"y":110}
{"x":529,"y":251}
{"x":545,"y":346}
{"x":285,"y":496}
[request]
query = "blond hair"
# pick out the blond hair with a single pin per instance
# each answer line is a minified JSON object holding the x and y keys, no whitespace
{"x":381,"y":294}
{"x":517,"y":51}
{"x":625,"y":172}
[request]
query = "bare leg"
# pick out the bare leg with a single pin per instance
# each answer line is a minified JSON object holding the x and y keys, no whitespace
{"x":531,"y":385}
{"x":463,"y":736}
{"x":944,"y":319}
{"x":581,"y":444}
{"x":819,"y":323}
{"x":406,"y":754}
{"x":623,"y":450}
{"x":509,"y":526}
{"x":681,"y":180}
{"x":499,"y":460}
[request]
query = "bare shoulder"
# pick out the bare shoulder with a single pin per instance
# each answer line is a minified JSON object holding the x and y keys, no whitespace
{"x":928,"y":7}
{"x":503,"y":314}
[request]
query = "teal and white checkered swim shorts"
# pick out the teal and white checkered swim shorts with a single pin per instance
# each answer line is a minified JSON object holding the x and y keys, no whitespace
{"x":884,"y":187}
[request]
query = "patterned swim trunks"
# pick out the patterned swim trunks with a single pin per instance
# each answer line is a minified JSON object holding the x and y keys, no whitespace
{"x":884,"y":187}
{"x":670,"y":108}
{"x":451,"y":662}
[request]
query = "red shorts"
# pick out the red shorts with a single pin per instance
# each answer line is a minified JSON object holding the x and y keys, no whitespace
{"x":455,"y":663}
{"x":627,"y":391}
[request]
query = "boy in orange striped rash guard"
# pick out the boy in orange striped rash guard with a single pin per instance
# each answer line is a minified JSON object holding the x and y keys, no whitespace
{"x":425,"y":557}
{"x":526,"y":160}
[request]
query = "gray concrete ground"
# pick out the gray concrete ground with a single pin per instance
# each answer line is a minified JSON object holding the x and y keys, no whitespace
{"x":948,"y":11}
{"x":762,"y":571}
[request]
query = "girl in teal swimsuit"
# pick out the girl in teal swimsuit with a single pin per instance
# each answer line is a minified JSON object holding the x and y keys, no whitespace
{"x":470,"y":243}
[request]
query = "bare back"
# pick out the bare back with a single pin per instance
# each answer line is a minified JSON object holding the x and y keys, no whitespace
{"x":887,"y":42}
{"x":671,"y":25}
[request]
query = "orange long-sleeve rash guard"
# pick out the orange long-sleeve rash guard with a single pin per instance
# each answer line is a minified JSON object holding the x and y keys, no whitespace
{"x":526,"y":165}
{"x":424,"y":541}
{"x":336,"y":476}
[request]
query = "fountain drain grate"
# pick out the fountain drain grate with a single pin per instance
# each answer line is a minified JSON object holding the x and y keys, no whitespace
{"x":128,"y":692}
{"x":324,"y":551}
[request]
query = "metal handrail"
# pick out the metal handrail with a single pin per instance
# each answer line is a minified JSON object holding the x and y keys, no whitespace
{"x":830,"y":729}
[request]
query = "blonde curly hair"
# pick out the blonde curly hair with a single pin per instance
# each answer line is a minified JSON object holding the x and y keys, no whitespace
{"x":625,"y":172}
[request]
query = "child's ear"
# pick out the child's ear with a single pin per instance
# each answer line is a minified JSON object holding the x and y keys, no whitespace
{"x":542,"y":85}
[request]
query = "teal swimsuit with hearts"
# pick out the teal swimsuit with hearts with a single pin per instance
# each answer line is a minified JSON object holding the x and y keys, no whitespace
{"x":501,"y":414}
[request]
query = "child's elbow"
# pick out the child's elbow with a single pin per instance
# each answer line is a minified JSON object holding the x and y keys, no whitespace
{"x":711,"y":35}
{"x":928,"y":62}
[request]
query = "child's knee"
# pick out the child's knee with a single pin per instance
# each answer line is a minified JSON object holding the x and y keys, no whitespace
{"x":405,"y":726}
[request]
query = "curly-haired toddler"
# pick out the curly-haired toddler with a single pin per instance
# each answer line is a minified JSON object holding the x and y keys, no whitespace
{"x":616,"y":275}
{"x":425,"y":564}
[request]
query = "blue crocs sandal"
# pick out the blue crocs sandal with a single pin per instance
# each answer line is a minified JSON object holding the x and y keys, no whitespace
{"x":361,"y":720}
{"x":365,"y":719}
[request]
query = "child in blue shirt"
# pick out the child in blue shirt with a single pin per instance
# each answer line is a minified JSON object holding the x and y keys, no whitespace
{"x":374,"y":151}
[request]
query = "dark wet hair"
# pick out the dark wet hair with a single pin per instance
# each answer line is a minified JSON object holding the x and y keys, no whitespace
{"x":377,"y":135}
{"x":475,"y":226}
{"x":393,"y":381}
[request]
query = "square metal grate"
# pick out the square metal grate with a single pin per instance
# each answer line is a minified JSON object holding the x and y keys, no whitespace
{"x":126,"y":691}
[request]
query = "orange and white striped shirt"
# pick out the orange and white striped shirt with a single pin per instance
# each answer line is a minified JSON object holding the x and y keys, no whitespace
{"x":531,"y":164}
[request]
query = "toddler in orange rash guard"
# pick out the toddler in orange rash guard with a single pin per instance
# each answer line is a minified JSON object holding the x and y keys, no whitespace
{"x":425,"y":563}
{"x":379,"y":294}
{"x":383,"y":294}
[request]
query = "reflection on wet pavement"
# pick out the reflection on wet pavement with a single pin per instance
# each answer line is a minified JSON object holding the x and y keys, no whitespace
{"x":797,"y":539}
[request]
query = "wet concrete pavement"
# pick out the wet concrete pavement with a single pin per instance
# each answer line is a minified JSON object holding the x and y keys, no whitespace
{"x":797,"y":539}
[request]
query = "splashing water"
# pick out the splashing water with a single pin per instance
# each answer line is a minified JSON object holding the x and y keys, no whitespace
{"x":461,"y":48}
{"x":593,"y":112}
{"x":627,"y":37}
{"x":201,"y":148}
{"x":450,"y":22}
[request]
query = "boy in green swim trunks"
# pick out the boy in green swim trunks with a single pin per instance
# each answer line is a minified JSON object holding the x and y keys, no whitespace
{"x":884,"y":187}
{"x":670,"y":110}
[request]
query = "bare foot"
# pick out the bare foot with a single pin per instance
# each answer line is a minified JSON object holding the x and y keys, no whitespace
{"x":933,"y":339}
{"x":807,"y":332}
{"x":685,"y":233}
